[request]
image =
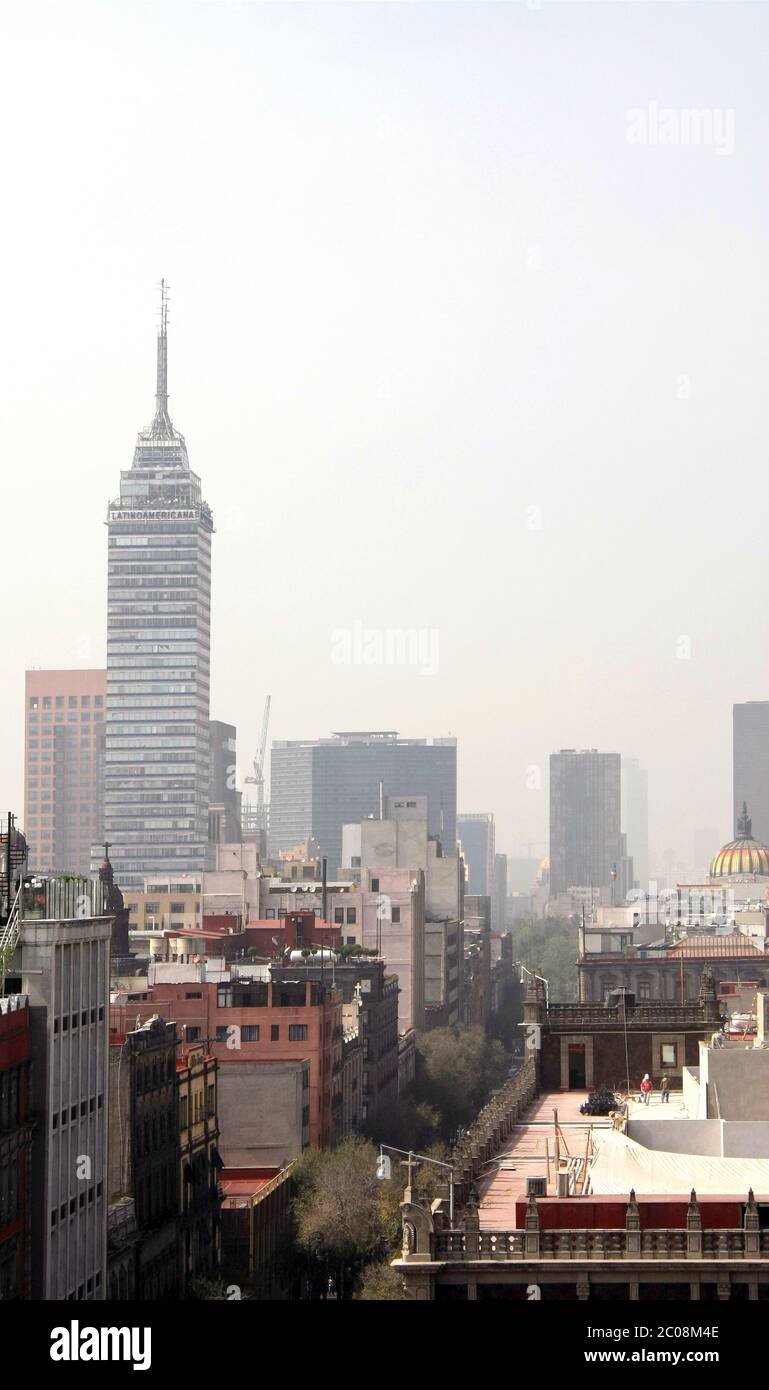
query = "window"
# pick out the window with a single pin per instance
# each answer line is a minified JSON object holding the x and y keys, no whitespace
{"x":375,"y":885}
{"x":222,"y":1029}
{"x":274,"y":1032}
{"x":395,"y":914}
{"x":248,"y":1033}
{"x":349,"y":940}
{"x":297,"y":1032}
{"x":193,"y":994}
{"x":668,"y":1055}
{"x":193,"y":1034}
{"x":351,"y":917}
{"x":339,"y":915}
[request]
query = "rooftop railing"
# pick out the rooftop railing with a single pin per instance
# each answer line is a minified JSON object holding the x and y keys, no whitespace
{"x":62,"y":898}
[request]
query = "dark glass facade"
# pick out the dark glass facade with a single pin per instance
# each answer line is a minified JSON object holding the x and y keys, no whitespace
{"x":317,"y":787}
{"x":751,"y":766}
{"x":476,"y":836}
{"x":585,"y":836}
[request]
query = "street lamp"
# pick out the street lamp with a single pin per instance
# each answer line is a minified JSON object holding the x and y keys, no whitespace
{"x":384,"y":1171}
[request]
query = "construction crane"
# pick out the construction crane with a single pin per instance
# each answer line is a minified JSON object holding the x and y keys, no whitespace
{"x":258,"y":778}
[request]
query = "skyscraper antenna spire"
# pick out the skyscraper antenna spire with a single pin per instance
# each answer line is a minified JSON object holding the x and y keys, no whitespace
{"x":161,"y":425}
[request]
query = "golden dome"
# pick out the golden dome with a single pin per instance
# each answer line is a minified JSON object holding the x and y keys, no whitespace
{"x":743,"y":855}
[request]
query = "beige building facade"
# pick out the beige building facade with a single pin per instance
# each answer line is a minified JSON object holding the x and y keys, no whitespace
{"x":63,"y":748}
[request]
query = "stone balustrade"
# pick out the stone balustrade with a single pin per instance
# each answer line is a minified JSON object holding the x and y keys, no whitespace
{"x":601,"y":1016}
{"x":491,"y":1127}
{"x":532,"y":1242}
{"x":591,"y":1245}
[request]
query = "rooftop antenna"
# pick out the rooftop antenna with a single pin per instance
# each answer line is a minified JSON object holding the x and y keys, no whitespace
{"x":162,"y":421}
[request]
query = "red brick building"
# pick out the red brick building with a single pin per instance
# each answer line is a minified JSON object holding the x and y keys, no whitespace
{"x":249,"y":1022}
{"x":15,"y":1146}
{"x":270,"y":939}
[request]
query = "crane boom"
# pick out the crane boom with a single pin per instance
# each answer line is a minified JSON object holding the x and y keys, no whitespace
{"x":258,"y":778}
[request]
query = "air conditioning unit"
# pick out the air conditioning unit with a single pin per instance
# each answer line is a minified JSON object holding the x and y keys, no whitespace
{"x":536,"y":1187}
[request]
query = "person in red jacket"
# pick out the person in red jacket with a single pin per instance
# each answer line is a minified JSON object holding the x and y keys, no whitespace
{"x":646,"y":1088}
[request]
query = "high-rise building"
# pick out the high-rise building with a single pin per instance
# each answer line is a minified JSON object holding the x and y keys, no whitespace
{"x":751,"y":765}
{"x":475,"y":832}
{"x":224,"y":799}
{"x":499,"y":897}
{"x":585,"y":838}
{"x":412,"y":908}
{"x":63,"y":750}
{"x":317,"y":786}
{"x":635,"y":818}
{"x":157,"y":758}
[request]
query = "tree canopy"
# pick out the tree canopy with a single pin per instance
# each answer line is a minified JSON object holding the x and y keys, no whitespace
{"x":457,"y":1068}
{"x":550,"y":946}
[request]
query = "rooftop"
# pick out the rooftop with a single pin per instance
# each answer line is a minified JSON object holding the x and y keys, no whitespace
{"x":702,"y":945}
{"x":524,"y":1155}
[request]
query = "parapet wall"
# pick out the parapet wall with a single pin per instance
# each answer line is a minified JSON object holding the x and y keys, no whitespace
{"x":492,"y":1126}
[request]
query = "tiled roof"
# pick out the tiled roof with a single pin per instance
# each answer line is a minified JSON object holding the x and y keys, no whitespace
{"x":703,"y":946}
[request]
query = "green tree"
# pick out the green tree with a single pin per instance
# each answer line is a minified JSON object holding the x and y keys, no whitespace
{"x":457,"y":1068}
{"x":549,"y":945}
{"x":341,"y":1219}
{"x":379,"y":1282}
{"x":407,"y":1123}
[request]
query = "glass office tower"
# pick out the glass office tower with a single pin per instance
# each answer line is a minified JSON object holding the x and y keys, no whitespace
{"x":585,"y":833}
{"x":157,"y":746}
{"x":751,"y":765}
{"x":319,"y":785}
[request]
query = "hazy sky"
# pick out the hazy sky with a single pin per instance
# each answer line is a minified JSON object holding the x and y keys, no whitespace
{"x":451,"y":351}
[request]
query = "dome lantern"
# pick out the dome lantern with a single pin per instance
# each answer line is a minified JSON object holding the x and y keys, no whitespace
{"x":743,"y":857}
